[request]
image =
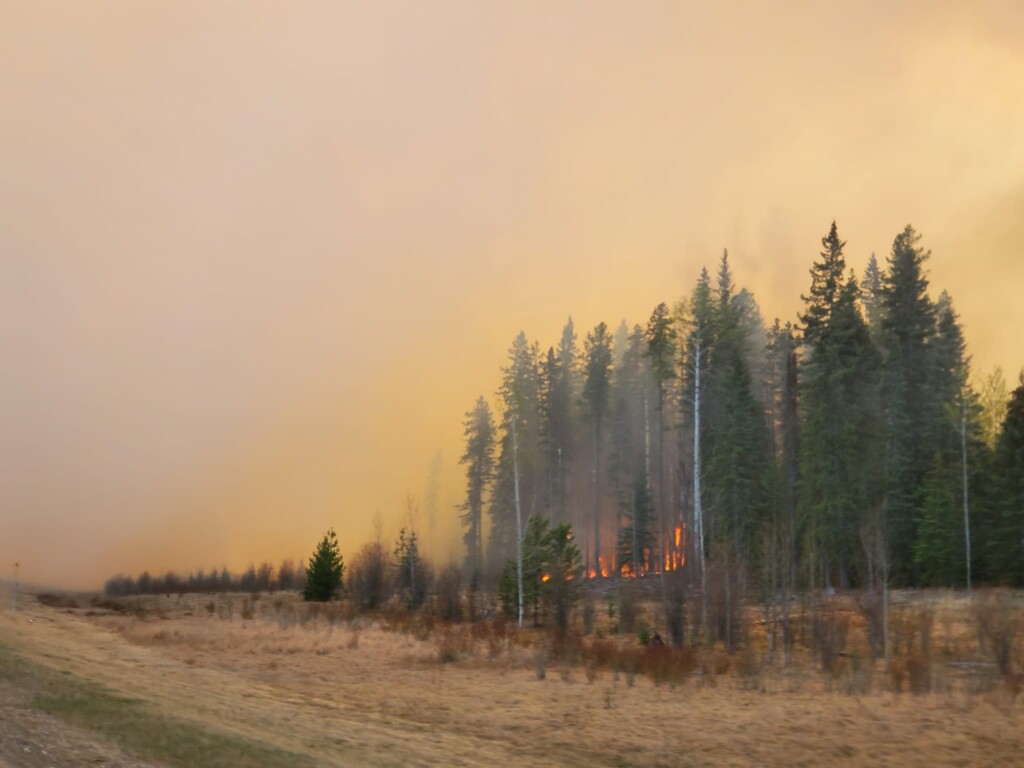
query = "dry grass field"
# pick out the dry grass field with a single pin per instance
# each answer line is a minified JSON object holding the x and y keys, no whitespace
{"x":229,"y":681}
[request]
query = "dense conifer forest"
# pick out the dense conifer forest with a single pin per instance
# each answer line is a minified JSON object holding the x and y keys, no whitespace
{"x":853,"y":447}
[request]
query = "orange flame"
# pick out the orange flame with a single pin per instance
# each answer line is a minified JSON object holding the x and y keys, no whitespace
{"x":546,"y":577}
{"x":604,"y":567}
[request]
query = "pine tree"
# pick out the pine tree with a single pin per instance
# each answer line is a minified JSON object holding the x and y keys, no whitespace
{"x":630,"y":396}
{"x":1006,"y":543}
{"x":558,"y":393}
{"x":908,"y":325}
{"x":636,"y":535}
{"x":561,"y":591}
{"x":325,"y":570}
{"x":479,"y":461}
{"x":700,"y":341}
{"x":993,"y":396}
{"x":939,"y":546}
{"x":409,"y":569}
{"x":661,"y":351}
{"x":871,"y":297}
{"x":737,"y":466}
{"x":596,"y":389}
{"x":518,"y":453}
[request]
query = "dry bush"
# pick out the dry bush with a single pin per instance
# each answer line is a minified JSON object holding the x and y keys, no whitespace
{"x":871,"y":608}
{"x":659,"y":662}
{"x":674,"y":604}
{"x":453,"y":643}
{"x":725,"y":602}
{"x":924,"y":619}
{"x":858,"y":676}
{"x":57,"y":601}
{"x":368,"y":582}
{"x":628,"y":595}
{"x":540,"y":663}
{"x":566,"y":646}
{"x":829,"y":632}
{"x":915,"y":671}
{"x":589,"y":612}
{"x":749,"y":665}
{"x":492,"y":632}
{"x":999,"y":621}
{"x":448,"y":598}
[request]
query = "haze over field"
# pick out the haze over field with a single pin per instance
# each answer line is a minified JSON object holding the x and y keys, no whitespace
{"x":258,"y":260}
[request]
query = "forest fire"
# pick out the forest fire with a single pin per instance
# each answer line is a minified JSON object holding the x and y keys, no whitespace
{"x":674,"y":559}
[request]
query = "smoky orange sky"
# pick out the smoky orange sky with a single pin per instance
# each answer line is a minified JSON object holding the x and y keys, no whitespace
{"x":258,"y":258}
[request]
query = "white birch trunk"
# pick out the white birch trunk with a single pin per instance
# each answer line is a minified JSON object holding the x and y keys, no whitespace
{"x":698,"y":510}
{"x":519,"y":516}
{"x":963,"y":456}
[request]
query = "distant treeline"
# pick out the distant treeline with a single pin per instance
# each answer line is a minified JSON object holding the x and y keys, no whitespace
{"x":261,"y":578}
{"x":853,"y":447}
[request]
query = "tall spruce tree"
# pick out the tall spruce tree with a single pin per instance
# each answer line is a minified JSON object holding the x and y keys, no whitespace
{"x":325,"y":571}
{"x":700,"y":339}
{"x":518,"y":452}
{"x":908,"y":325}
{"x":943,"y":535}
{"x":636,"y":535}
{"x":596,"y":390}
{"x":840,"y":439}
{"x":557,"y":399}
{"x":479,"y":461}
{"x":1006,"y":541}
{"x":737,"y":467}
{"x":661,"y":351}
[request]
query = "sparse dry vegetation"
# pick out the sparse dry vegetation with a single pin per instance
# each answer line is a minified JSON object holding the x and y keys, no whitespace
{"x":333,"y":685}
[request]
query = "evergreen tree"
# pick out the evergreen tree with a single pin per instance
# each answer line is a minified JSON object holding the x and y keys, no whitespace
{"x":628,"y":413}
{"x":871,"y":297}
{"x":325,"y":570}
{"x":943,"y":537}
{"x":596,"y":387}
{"x":558,"y":392}
{"x":636,"y":535}
{"x":479,"y":461}
{"x":700,"y":340}
{"x":939,"y":546}
{"x":840,"y":439}
{"x":1006,"y":543}
{"x":908,"y":325}
{"x":519,"y":450}
{"x":993,"y":398}
{"x":536,"y":554}
{"x":737,"y":467}
{"x":560,"y":592}
{"x":661,"y":351}
{"x":409,"y":574}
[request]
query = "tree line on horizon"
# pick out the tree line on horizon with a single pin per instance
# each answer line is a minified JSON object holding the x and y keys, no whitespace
{"x":852,"y":448}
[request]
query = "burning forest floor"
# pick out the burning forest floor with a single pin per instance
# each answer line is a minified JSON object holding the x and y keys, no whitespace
{"x":234,"y":680}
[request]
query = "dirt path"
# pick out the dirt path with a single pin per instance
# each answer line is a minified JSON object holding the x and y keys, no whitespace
{"x":347,"y":697}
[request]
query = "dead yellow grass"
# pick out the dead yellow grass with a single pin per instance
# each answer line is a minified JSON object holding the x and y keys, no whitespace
{"x":352,"y":693}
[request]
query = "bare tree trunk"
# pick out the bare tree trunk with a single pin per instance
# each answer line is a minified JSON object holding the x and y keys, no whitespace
{"x":519,"y":516}
{"x":597,"y":498}
{"x":698,"y":509}
{"x":884,"y":561}
{"x":967,"y":509}
{"x":647,"y":469}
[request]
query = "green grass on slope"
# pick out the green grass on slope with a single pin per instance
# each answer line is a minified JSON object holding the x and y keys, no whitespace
{"x":134,"y":724}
